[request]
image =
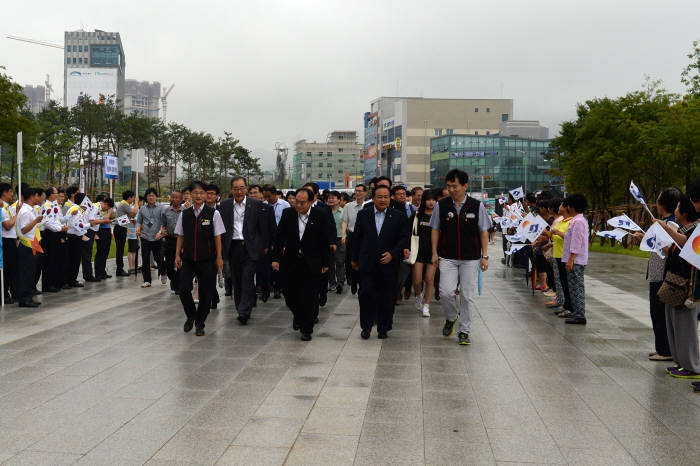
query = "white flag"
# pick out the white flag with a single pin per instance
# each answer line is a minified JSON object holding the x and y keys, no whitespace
{"x":515,"y":248}
{"x":515,"y":238}
{"x":691,"y":250}
{"x":634,"y":190}
{"x":623,"y":221}
{"x":655,"y":240}
{"x":517,"y":193}
{"x":615,"y":234}
{"x":123,"y":220}
{"x":531,"y":227}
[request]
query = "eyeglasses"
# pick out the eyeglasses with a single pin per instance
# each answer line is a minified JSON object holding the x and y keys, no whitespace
{"x":238,"y":189}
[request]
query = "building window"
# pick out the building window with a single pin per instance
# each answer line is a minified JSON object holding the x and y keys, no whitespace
{"x":74,"y":60}
{"x":329,"y":165}
{"x":450,"y":132}
{"x":75,"y":48}
{"x":488,"y":110}
{"x":86,"y":48}
{"x":68,"y":60}
{"x":476,"y":133}
{"x":320,"y":153}
{"x":476,"y":109}
{"x":80,"y":48}
{"x":80,"y":60}
{"x":329,"y":154}
{"x":308,"y":154}
{"x":488,"y":133}
{"x":67,"y":48}
{"x":438,"y":132}
{"x":340,"y":149}
{"x":504,"y":117}
{"x":85,"y":60}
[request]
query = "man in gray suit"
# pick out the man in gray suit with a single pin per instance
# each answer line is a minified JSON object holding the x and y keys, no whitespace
{"x":245,"y":242}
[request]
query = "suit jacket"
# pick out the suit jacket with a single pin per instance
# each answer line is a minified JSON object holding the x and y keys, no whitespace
{"x":314,"y":245}
{"x":332,"y":232}
{"x":256,"y":227}
{"x":368,"y":247}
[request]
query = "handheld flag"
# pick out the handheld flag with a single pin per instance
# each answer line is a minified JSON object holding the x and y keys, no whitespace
{"x":123,"y":220}
{"x":637,"y":195}
{"x":531,"y":227}
{"x":517,"y":193}
{"x":515,"y":248}
{"x":36,"y":245}
{"x":515,"y":238}
{"x":615,"y":234}
{"x":691,"y":250}
{"x":655,"y":240}
{"x":623,"y":221}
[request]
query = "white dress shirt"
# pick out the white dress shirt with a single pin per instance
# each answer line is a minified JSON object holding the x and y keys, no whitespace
{"x":238,"y":218}
{"x":303,"y":220}
{"x":8,"y":212}
{"x":219,"y":228}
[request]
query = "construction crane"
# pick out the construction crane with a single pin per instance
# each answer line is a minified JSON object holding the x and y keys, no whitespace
{"x":37,"y":42}
{"x":164,"y":101}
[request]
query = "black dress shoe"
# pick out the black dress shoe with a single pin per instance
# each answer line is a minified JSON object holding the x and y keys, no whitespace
{"x":66,"y":286}
{"x":199,"y":332}
{"x":52,"y":289}
{"x":77,"y":285}
{"x":188,"y":325}
{"x":29,"y":304}
{"x":92,"y":279}
{"x":295,"y":326}
{"x":382,"y":335}
{"x":323,"y":299}
{"x":365,"y":334}
{"x":305,"y":337}
{"x":213,"y":306}
{"x":121,"y":273}
{"x":243,"y":319}
{"x":339,"y":290}
{"x":265,"y":296}
{"x":278,"y":295}
{"x":353,"y":288}
{"x":576,"y":321}
{"x":9,"y":300}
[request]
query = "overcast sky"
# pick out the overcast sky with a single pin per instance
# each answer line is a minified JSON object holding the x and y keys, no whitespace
{"x":273,"y":71}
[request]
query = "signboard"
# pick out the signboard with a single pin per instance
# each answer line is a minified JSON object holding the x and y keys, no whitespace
{"x":372,"y":152}
{"x":398,"y":143}
{"x":386,"y":124}
{"x":92,"y":82}
{"x":439,"y":156}
{"x":111,"y":166}
{"x":138,"y":158}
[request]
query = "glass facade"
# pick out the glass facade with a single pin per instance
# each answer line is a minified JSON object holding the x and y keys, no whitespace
{"x":105,"y":55}
{"x":506,"y":162}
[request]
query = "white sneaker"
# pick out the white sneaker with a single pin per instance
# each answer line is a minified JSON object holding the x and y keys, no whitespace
{"x":426,"y":310}
{"x":146,"y":285}
{"x":419,"y":302}
{"x":164,"y":279}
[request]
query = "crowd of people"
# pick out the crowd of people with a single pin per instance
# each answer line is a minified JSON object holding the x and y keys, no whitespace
{"x":385,"y":243}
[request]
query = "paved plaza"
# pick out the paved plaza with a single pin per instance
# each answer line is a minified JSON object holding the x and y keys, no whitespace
{"x":105,"y":375}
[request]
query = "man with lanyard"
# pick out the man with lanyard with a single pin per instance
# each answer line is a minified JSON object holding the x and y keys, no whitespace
{"x":332,"y":239}
{"x":350,"y":212}
{"x":126,"y":207}
{"x":197,"y":253}
{"x":170,"y":217}
{"x":148,"y":223}
{"x":278,"y":204}
{"x":51,"y":234}
{"x":27,"y":226}
{"x":9,"y":243}
{"x":460,"y":244}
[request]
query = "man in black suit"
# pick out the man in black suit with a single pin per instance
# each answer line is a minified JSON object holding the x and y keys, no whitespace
{"x":302,"y":254}
{"x":332,"y":239}
{"x":383,"y":181}
{"x":381,"y":243}
{"x":245,"y":242}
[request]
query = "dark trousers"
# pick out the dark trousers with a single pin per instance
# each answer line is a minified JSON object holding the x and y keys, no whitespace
{"x":39,"y":263}
{"x":169,"y":255}
{"x":119,"y":242}
{"x":404,"y":273}
{"x":103,"y":243}
{"x":242,"y":276}
{"x":352,"y":276}
{"x":63,"y":257}
{"x":28,"y":260}
{"x":148,"y":248}
{"x":564,"y":283}
{"x":657,"y":309}
{"x":377,"y":299}
{"x":263,"y":271}
{"x":74,"y":254}
{"x":52,"y":260}
{"x":190,"y":270}
{"x":301,"y":293}
{"x":9,"y":256}
{"x":213,"y":292}
{"x":86,"y":255}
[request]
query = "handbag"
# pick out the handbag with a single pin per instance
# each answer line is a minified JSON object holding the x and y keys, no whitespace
{"x":415,"y":242}
{"x":674,"y":289}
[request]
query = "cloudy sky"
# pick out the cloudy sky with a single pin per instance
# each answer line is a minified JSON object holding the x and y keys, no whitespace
{"x":278,"y":70}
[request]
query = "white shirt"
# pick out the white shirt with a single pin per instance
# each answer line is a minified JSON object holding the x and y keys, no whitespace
{"x":8,"y":212}
{"x":51,"y":221}
{"x":303,"y":220}
{"x":95,"y":214}
{"x":238,"y":218}
{"x":26,"y":215}
{"x":219,"y":228}
{"x":77,"y":225}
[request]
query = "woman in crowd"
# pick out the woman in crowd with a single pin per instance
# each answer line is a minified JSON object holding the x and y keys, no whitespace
{"x":424,"y":266}
{"x":575,"y":256}
{"x":557,"y":233}
{"x":291,"y":198}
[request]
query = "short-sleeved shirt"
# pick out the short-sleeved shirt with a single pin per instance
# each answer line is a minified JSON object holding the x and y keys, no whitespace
{"x":219,"y":228}
{"x":484,"y":218}
{"x":150,"y":220}
{"x":278,"y":207}
{"x":8,"y":212}
{"x":558,"y":241}
{"x":338,"y":217}
{"x":170,"y":216}
{"x":123,"y":208}
{"x":350,"y":212}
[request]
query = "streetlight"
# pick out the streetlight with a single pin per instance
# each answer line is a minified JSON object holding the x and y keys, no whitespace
{"x":526,"y":166}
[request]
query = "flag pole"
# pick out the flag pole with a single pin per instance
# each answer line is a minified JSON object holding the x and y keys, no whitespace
{"x":19,"y":166}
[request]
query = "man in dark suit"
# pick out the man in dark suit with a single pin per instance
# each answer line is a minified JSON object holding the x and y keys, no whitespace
{"x":332,"y":239}
{"x":380,"y":244}
{"x":383,"y":181}
{"x":245,"y":242}
{"x":302,"y":253}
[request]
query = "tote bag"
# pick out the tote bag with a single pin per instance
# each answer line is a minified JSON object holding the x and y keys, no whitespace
{"x":415,"y":242}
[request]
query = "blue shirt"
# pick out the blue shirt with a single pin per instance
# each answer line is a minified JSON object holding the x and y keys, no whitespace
{"x":379,"y":219}
{"x":278,"y":207}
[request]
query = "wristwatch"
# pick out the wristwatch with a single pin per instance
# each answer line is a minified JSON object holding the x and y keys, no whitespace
{"x":485,"y":257}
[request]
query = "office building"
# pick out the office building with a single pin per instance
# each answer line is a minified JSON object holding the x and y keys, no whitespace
{"x":398,"y":131}
{"x":94,"y":66}
{"x":142,"y":98}
{"x":36,"y":98}
{"x":523,"y":129}
{"x":504,"y":162}
{"x":336,"y":162}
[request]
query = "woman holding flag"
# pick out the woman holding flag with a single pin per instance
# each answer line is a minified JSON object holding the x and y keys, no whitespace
{"x":29,"y":245}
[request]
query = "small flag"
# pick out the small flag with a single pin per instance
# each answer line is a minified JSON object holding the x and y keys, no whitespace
{"x":615,"y":234}
{"x":691,"y":250}
{"x":515,"y":248}
{"x":123,"y":220}
{"x":531,"y":227}
{"x":623,"y":221}
{"x":515,"y":238}
{"x":655,"y":240}
{"x":517,"y":193}
{"x":634,"y":190}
